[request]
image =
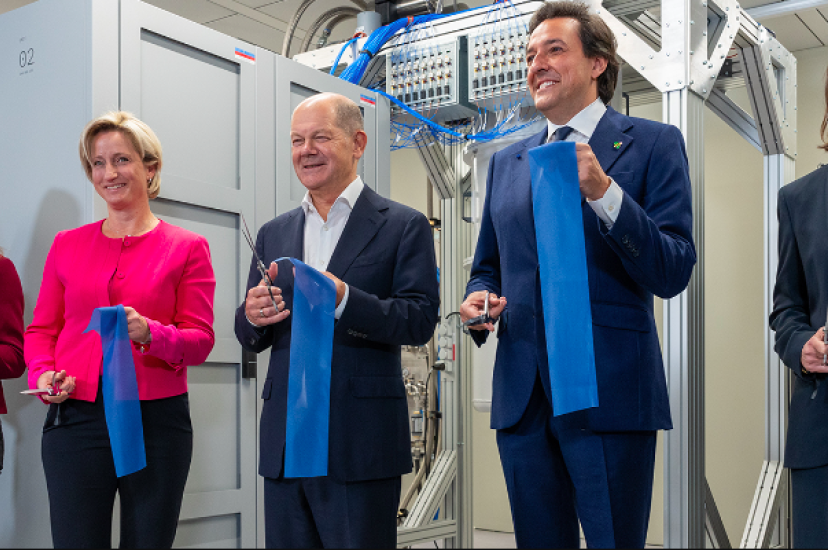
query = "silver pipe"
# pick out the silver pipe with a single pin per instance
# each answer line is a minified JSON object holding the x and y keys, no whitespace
{"x":294,"y":21}
{"x":413,"y":7}
{"x":326,"y":32}
{"x":346,"y":11}
{"x":291,"y":28}
{"x":429,"y":201}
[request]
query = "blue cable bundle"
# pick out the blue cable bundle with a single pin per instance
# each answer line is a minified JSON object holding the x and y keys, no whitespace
{"x":342,"y":51}
{"x":377,"y":40}
{"x":509,"y":118}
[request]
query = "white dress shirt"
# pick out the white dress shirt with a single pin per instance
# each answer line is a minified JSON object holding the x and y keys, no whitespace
{"x":322,"y":236}
{"x":583,"y":126}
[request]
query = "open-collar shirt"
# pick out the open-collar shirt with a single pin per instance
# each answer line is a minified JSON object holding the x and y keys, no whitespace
{"x":583,"y":126}
{"x":322,"y":236}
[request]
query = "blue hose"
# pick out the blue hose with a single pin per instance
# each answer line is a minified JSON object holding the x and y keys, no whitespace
{"x":342,"y":51}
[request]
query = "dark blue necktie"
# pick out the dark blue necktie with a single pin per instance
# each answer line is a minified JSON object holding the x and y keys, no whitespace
{"x":562,"y":133}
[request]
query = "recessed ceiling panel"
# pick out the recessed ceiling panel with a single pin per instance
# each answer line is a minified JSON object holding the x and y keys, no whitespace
{"x":9,"y":5}
{"x":747,"y":4}
{"x":260,"y":3}
{"x":817,"y":21}
{"x":252,"y":31}
{"x":792,"y":33}
{"x":200,"y":11}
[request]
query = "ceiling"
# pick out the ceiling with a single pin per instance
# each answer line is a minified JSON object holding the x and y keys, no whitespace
{"x":263,"y":22}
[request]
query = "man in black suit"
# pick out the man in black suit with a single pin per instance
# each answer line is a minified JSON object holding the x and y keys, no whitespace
{"x":800,"y":301}
{"x":380,"y":255}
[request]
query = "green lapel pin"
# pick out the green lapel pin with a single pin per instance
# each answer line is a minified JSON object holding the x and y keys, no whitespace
{"x":616,"y":145}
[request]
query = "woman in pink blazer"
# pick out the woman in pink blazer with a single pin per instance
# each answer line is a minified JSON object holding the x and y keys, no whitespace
{"x":163,"y":277}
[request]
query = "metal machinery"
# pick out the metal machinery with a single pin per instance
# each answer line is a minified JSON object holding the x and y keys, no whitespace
{"x":455,"y":72}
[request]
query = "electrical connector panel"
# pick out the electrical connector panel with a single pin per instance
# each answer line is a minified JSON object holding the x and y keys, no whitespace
{"x":431,"y":78}
{"x":498,"y":65}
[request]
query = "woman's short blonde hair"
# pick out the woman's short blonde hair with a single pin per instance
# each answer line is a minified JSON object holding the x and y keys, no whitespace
{"x":143,"y":140}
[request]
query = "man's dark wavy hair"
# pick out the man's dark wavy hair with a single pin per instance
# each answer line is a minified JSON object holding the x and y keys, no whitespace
{"x":596,"y":37}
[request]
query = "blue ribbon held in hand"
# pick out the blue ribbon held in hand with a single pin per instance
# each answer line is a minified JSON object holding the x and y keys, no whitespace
{"x":120,"y":390}
{"x":309,"y":377}
{"x":567,"y":317}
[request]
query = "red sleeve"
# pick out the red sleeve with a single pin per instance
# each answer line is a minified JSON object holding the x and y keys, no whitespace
{"x":11,"y":321}
{"x":42,"y":334}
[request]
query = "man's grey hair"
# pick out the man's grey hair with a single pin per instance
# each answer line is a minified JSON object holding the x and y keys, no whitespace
{"x":348,"y":116}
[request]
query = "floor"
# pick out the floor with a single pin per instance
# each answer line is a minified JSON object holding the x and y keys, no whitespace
{"x":482,"y":539}
{"x":491,"y":539}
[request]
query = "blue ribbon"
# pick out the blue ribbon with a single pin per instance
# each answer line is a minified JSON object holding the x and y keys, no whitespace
{"x":567,"y":317}
{"x":309,"y":377}
{"x":120,"y":390}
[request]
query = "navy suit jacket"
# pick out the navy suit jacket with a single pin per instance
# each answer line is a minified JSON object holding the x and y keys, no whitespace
{"x":800,"y":301}
{"x":386,"y":256}
{"x":648,"y":251}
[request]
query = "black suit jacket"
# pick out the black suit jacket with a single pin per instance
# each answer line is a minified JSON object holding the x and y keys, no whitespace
{"x":800,"y":300}
{"x":386,"y":256}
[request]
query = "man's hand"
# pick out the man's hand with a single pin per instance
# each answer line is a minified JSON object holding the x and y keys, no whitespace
{"x":591,"y":177}
{"x":259,"y":307}
{"x":473,"y":306}
{"x":340,"y":286}
{"x":813,"y":353}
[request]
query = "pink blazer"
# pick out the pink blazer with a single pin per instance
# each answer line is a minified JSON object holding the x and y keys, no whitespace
{"x":166,"y":275}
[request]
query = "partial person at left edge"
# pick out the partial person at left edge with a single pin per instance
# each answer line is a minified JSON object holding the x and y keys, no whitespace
{"x":11,"y":331}
{"x":163,"y":277}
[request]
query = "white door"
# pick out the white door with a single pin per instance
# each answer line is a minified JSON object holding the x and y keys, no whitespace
{"x":195,"y":88}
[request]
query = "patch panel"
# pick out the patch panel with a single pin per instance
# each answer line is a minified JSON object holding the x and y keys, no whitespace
{"x":498,"y":64}
{"x":431,"y":79}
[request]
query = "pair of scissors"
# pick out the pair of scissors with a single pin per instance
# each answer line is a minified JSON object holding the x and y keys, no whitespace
{"x":259,"y":264}
{"x":54,"y":390}
{"x":481,"y":319}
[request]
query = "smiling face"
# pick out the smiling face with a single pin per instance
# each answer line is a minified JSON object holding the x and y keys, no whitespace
{"x":324,"y":155}
{"x":118,"y":171}
{"x":561,"y":79}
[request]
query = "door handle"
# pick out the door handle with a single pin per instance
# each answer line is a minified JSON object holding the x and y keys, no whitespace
{"x":248,"y":366}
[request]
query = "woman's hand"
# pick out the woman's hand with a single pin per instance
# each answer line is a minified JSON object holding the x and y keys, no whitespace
{"x":62,"y":383}
{"x":137,"y":326}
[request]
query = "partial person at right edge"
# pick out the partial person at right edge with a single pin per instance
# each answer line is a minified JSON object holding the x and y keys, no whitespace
{"x":800,"y":301}
{"x":11,"y":331}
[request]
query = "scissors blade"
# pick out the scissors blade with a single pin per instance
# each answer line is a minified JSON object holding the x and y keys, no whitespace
{"x":249,"y":238}
{"x":259,"y":264}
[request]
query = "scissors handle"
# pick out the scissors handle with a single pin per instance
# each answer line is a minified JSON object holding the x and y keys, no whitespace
{"x":269,"y":282}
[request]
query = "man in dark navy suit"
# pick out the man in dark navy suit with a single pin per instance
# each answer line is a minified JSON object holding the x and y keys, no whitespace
{"x":593,"y":466}
{"x":380,"y":254}
{"x":800,"y":300}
